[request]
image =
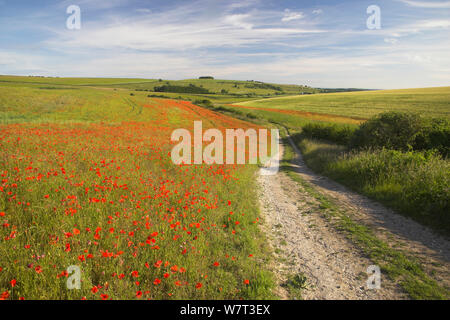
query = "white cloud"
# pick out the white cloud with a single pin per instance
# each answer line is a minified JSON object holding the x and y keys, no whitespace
{"x":428,"y":4}
{"x":183,"y":28}
{"x":94,"y":4}
{"x":418,"y":58}
{"x":318,"y":11}
{"x":291,"y":15}
{"x":434,"y":24}
{"x":17,"y":62}
{"x":239,"y":20}
{"x":391,"y":40}
{"x":243,"y":4}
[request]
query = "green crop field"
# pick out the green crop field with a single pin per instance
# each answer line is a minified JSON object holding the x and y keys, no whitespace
{"x":364,"y":104}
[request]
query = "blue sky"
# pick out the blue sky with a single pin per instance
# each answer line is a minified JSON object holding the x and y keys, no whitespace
{"x":317,"y":43}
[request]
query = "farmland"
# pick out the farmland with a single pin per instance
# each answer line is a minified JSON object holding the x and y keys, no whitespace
{"x":87,"y":180}
{"x":364,"y":104}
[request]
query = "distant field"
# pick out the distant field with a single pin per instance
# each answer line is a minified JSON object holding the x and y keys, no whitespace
{"x":220,"y":91}
{"x":69,"y":81}
{"x":364,"y":104}
{"x":229,"y":86}
{"x":223,"y":87}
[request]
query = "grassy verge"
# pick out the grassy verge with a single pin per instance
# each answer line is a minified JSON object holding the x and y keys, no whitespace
{"x":415,"y":184}
{"x":396,"y":265}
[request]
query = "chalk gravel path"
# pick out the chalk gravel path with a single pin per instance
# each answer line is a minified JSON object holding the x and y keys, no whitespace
{"x":305,"y":241}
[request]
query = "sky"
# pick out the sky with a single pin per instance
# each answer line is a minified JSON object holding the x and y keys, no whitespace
{"x":321,"y":43}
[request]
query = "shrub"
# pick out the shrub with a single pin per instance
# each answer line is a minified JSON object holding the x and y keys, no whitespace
{"x":392,"y":130}
{"x":435,"y":134}
{"x":404,"y":131}
{"x":181,"y":89}
{"x":204,"y":103}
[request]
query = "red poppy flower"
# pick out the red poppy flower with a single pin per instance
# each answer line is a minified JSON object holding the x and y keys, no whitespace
{"x":13,"y":283}
{"x":4,"y":295}
{"x":246,"y":281}
{"x":139,"y":294}
{"x":198,"y":285}
{"x":158,"y":263}
{"x":156,"y":282}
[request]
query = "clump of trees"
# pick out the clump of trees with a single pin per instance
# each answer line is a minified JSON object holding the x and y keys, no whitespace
{"x":404,"y":132}
{"x":182,"y":89}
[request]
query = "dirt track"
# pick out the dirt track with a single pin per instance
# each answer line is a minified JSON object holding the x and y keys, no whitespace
{"x":308,"y":243}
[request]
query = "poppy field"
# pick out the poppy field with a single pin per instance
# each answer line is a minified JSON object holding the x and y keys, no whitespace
{"x":86,"y":180}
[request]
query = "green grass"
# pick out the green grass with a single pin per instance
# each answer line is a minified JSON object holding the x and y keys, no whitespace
{"x":33,"y":104}
{"x":11,"y":80}
{"x":294,"y":285}
{"x":433,"y":102}
{"x":394,"y":263}
{"x":414,"y":184}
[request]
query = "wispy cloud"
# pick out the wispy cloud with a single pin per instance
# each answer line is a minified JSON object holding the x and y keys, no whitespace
{"x":391,"y":40}
{"x":239,"y":20}
{"x":428,"y":4}
{"x":430,"y":24}
{"x":291,"y":15}
{"x":183,"y":28}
